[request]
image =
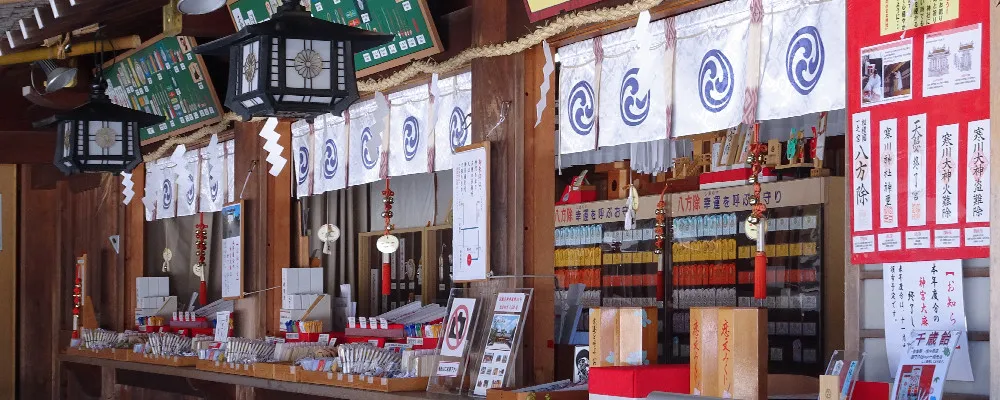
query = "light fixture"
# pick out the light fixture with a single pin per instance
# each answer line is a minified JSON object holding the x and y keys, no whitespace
{"x":198,"y":7}
{"x":98,"y":136}
{"x":56,"y":77}
{"x":292,"y":65}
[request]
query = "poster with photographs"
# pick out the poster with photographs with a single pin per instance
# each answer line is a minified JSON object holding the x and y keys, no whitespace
{"x":232,"y":251}
{"x":886,"y":73}
{"x":497,"y":355}
{"x":953,"y":60}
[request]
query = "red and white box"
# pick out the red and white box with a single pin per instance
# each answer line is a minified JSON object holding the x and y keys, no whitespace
{"x":732,"y":177}
{"x":630,"y":383}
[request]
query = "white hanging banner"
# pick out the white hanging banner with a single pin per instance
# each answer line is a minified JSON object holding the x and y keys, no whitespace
{"x":187,"y":183}
{"x":302,"y":154}
{"x":710,"y":76}
{"x":804,"y":62}
{"x":363,"y":165}
{"x":451,"y":130}
{"x":330,"y":154}
{"x":212,"y":177}
{"x":577,"y":97}
{"x":230,"y":171}
{"x":632,"y":111}
{"x":167,"y":202}
{"x":408,"y":131}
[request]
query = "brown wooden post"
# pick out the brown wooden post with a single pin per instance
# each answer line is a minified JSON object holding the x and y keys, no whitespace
{"x":132,"y":242}
{"x":8,"y":280}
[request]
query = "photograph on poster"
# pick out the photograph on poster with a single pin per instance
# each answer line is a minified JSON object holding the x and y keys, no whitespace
{"x":953,"y":60}
{"x":502,"y":329}
{"x":886,"y":73}
{"x":916,"y":381}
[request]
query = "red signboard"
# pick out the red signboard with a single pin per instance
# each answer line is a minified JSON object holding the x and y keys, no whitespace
{"x":918,"y":139}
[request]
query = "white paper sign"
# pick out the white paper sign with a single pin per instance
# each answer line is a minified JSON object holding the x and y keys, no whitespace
{"x":232,"y":251}
{"x":460,"y":323}
{"x":510,"y":302}
{"x":222,"y":326}
{"x":470,"y":202}
{"x":948,"y":175}
{"x":916,"y":143}
{"x":861,"y":166}
{"x":447,"y":368}
{"x":888,"y":198}
{"x":925,"y":295}
{"x":922,"y":374}
{"x":953,"y":60}
{"x":977,"y":185}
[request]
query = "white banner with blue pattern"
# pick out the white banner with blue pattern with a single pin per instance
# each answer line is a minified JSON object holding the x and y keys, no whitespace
{"x":408,"y":130}
{"x":213,"y":179}
{"x":302,"y":153}
{"x":150,"y":194}
{"x":231,"y":171}
{"x":451,"y":130}
{"x":632,"y":111}
{"x":363,"y":166}
{"x":710,"y":71}
{"x":187,"y":199}
{"x":167,"y":202}
{"x":577,"y":97}
{"x":804,"y":62}
{"x":329,"y":153}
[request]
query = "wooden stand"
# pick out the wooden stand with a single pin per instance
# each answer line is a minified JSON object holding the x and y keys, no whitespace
{"x":729,"y":352}
{"x":224,"y":367}
{"x":387,"y":385}
{"x":170,"y":361}
{"x":107,"y":354}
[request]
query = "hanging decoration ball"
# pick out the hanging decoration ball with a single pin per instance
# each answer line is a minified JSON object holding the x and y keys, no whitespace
{"x":292,"y":65}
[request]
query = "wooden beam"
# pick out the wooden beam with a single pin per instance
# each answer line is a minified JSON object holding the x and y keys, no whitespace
{"x":132,"y":242}
{"x":8,"y":280}
{"x":27,"y":147}
{"x":539,"y":219}
{"x":994,"y":72}
{"x":967,"y":272}
{"x":279,"y":231}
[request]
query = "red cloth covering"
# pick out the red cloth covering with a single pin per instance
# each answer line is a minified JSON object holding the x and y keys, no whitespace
{"x":871,"y":390}
{"x":638,"y":382}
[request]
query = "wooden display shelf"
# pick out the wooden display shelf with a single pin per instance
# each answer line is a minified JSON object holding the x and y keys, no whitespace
{"x":171,"y":361}
{"x":107,"y":354}
{"x":278,"y":371}
{"x":387,"y":385}
{"x":225,"y":367}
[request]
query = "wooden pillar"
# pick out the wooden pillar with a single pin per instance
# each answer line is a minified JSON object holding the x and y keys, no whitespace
{"x":131,"y":242}
{"x":109,"y":390}
{"x":539,"y":219}
{"x":39,"y":290}
{"x":994,"y":71}
{"x":8,"y":280}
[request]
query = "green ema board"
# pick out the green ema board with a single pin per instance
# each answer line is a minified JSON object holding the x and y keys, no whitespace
{"x":408,"y":20}
{"x":164,"y":77}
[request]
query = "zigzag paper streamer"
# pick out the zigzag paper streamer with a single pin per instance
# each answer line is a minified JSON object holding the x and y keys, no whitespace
{"x":379,"y":128}
{"x":432,"y":121}
{"x":272,"y":147}
{"x":547,"y":70}
{"x":128,"y":192}
{"x":642,"y":40}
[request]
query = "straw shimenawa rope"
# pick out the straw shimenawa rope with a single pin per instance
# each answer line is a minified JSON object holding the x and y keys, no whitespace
{"x":559,"y":25}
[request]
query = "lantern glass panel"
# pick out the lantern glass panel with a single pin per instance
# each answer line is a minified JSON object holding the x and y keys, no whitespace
{"x":249,"y":67}
{"x":104,"y":138}
{"x":307,"y":65}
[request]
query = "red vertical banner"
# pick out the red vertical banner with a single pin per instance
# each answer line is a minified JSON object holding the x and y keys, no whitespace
{"x":918,"y":129}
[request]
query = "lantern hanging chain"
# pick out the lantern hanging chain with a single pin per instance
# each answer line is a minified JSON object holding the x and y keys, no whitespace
{"x":661,"y":221}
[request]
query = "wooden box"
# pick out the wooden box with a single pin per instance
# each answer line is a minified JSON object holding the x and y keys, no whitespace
{"x":637,"y":328}
{"x":729,"y":352}
{"x":224,"y":367}
{"x":603,"y":336}
{"x":172,"y":361}
{"x":376,"y":384}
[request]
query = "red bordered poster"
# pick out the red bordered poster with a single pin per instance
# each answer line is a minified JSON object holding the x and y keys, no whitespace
{"x":918,"y":139}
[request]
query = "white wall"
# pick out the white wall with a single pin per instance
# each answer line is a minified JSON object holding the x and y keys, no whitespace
{"x":414,"y":200}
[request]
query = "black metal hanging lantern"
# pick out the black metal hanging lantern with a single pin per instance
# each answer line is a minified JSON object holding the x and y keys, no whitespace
{"x":98,"y":136}
{"x":292,"y":65}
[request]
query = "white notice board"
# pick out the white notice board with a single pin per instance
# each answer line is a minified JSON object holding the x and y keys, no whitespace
{"x":471,"y":213}
{"x":232,"y":251}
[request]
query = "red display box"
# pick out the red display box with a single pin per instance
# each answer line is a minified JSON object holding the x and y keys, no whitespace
{"x":626,"y":383}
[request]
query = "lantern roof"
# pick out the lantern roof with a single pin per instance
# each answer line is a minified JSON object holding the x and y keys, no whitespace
{"x":100,"y":108}
{"x":293,"y":21}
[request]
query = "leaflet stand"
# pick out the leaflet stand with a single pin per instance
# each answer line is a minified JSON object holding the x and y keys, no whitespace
{"x":847,"y":370}
{"x":483,"y":353}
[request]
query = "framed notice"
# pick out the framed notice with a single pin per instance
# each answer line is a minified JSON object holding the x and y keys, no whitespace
{"x":918,"y":137}
{"x":232,"y":251}
{"x":409,"y":20}
{"x":164,"y":77}
{"x":470,"y":202}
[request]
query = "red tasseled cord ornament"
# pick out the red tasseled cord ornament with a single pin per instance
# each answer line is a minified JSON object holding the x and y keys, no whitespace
{"x":387,"y":214}
{"x":760,"y":259}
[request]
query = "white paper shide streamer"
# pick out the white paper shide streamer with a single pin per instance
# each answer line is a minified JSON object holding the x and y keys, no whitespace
{"x":128,"y":186}
{"x":150,"y":191}
{"x":577,"y":97}
{"x":230,"y":171}
{"x":451,"y":128}
{"x":329,"y":154}
{"x":364,"y":162}
{"x":803,"y":61}
{"x":213,"y":176}
{"x":543,"y":89}
{"x":632,"y":104}
{"x":408,"y":131}
{"x":710,"y":84}
{"x":302,"y":155}
{"x":274,"y":150}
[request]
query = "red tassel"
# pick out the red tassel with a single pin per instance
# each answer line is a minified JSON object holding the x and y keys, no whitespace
{"x":203,"y":293}
{"x":760,"y":276}
{"x":659,"y":285}
{"x":386,"y":277}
